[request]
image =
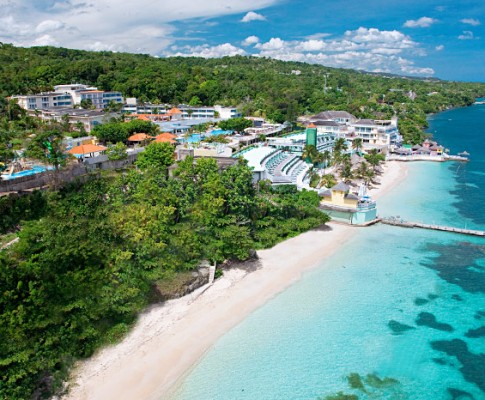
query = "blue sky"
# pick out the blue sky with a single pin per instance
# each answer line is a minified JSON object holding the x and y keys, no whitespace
{"x":443,"y":39}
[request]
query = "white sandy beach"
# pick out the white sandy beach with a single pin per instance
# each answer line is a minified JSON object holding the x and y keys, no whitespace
{"x":169,"y":339}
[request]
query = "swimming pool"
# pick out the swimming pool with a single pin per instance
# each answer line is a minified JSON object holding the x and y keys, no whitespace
{"x":36,"y":169}
{"x":197,"y":137}
{"x":220,"y":132}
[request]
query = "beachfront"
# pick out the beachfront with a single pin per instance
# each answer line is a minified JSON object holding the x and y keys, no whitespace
{"x":169,"y":339}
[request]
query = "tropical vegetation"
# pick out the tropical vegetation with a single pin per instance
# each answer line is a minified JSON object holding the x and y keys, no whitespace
{"x":91,"y":255}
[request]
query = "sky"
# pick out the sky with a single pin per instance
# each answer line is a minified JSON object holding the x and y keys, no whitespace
{"x":442,"y":38}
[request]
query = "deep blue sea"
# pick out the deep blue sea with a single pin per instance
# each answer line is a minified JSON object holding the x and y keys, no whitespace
{"x":394,"y":314}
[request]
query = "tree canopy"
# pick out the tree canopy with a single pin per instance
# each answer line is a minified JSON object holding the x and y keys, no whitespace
{"x":235,"y":124}
{"x":119,"y":131}
{"x":156,"y":156}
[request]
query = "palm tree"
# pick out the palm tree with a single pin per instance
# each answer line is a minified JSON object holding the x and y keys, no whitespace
{"x":326,"y":158}
{"x":357,"y":145}
{"x":374,"y":158}
{"x":313,"y":177}
{"x":365,"y":173}
{"x":310,"y":153}
{"x":361,"y":170}
{"x":317,"y":159}
{"x":369,"y":176}
{"x":346,"y":170}
{"x":328,"y":180}
{"x":340,"y":145}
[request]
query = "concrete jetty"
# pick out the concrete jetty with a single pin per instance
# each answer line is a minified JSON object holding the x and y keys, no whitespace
{"x":406,"y":224}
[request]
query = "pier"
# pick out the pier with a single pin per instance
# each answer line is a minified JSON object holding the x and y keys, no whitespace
{"x":426,"y":157}
{"x":396,"y":221}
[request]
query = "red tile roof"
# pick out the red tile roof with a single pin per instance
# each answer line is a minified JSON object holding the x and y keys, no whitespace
{"x":86,"y":149}
{"x":139,"y":137}
{"x":166,"y":137}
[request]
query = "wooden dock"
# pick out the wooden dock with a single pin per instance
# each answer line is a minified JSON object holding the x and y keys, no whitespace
{"x":407,"y":224}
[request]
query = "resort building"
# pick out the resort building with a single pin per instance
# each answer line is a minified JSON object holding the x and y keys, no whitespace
{"x":132,"y":106}
{"x":341,"y":204}
{"x":340,"y":117}
{"x":99,"y":98}
{"x":68,"y":96}
{"x":76,"y":117}
{"x":381,"y":134}
{"x":43,"y":101}
{"x":279,"y":160}
{"x":186,"y":112}
{"x":295,"y":143}
{"x":377,"y":132}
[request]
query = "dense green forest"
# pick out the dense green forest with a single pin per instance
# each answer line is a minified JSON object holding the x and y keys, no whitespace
{"x":91,"y":255}
{"x":258,"y":86}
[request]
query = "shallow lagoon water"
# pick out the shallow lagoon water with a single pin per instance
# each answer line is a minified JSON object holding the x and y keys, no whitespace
{"x":392,"y":302}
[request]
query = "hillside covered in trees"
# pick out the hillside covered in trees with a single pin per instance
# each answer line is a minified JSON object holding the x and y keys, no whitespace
{"x":275,"y":89}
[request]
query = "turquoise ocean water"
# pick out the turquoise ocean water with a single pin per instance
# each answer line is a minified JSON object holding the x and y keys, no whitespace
{"x":394,"y":314}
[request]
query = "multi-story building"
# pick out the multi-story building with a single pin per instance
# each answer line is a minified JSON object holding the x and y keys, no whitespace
{"x":99,"y":98}
{"x":75,"y":116}
{"x":374,"y":133}
{"x":187,"y":112}
{"x":68,"y":96}
{"x":227,"y":112}
{"x":378,"y":132}
{"x":43,"y":101}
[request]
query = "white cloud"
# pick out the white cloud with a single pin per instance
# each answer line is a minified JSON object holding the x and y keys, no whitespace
{"x":467,"y":35}
{"x":423,"y":22}
{"x":317,"y":36}
{"x":371,"y":36}
{"x":368,"y":49}
{"x":252,"y":16}
{"x":45,"y":40}
{"x":470,"y":21}
{"x":439,"y":47}
{"x":312,"y":45}
{"x":49,"y":25}
{"x":250,"y":40}
{"x":110,"y":24}
{"x":207,"y":51}
{"x":9,"y":28}
{"x":272,"y":44}
{"x":383,"y":50}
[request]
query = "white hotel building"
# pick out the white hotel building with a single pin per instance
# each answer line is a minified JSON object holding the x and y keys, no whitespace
{"x":68,"y":96}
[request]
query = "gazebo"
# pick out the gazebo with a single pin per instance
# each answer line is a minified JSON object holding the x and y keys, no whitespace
{"x":166,"y":137}
{"x":87,"y":150}
{"x":138,"y":138}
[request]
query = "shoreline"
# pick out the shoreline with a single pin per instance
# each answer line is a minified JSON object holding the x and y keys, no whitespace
{"x":169,"y":339}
